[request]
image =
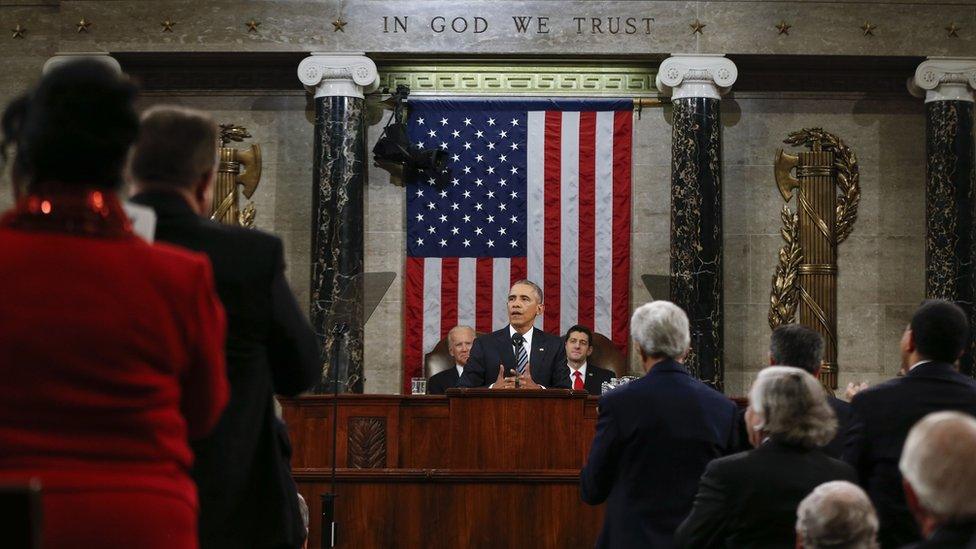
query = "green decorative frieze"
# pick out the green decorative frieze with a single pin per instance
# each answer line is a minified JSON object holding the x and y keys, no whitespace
{"x":530,"y":78}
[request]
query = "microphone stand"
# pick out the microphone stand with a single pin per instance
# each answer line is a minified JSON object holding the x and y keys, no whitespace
{"x":328,"y":525}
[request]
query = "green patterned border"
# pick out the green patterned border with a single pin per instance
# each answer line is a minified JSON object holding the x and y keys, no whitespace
{"x":533,"y":77}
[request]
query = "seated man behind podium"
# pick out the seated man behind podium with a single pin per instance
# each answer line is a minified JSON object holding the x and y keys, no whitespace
{"x":518,"y":351}
{"x":654,"y":437}
{"x":583,"y":375}
{"x":459,"y":341}
{"x":247,"y":495}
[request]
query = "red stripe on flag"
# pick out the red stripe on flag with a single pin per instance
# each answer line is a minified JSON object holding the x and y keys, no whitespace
{"x":622,"y":140}
{"x":449,"y":294}
{"x":587,"y":217}
{"x":518,"y":270}
{"x":483,"y":298}
{"x":413,"y":321}
{"x":551,"y":264}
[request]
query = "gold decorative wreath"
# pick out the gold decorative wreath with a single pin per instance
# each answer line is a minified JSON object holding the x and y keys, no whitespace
{"x":848,"y":175}
{"x":783,"y":299}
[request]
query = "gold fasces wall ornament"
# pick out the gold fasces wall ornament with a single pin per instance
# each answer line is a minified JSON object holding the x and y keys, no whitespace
{"x":806,"y":275}
{"x":225,"y":208}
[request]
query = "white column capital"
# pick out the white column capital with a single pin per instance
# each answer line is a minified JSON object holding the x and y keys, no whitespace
{"x":944,"y":79}
{"x":62,"y":58}
{"x":338,"y":74}
{"x":696,"y":75}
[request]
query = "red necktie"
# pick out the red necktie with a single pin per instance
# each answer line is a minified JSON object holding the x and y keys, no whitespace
{"x":577,"y":381}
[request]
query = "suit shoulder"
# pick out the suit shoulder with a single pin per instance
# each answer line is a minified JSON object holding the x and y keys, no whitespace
{"x":441,"y":375}
{"x":253,"y":238}
{"x":604,"y":372}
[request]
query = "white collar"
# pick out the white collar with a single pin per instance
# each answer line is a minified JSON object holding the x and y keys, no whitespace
{"x":527,"y":336}
{"x":582,"y":371}
{"x":912,"y":367}
{"x":460,"y":369}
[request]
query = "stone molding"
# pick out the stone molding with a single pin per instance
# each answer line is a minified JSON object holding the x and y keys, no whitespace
{"x":944,"y":79}
{"x":62,"y":58}
{"x":696,"y":75}
{"x":338,"y":74}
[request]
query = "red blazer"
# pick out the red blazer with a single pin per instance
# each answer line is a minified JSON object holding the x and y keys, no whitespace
{"x":111,"y":358}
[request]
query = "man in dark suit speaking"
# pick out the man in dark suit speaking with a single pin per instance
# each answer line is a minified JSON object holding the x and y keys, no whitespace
{"x":654,"y":437}
{"x":247,"y":495}
{"x":518,"y":355}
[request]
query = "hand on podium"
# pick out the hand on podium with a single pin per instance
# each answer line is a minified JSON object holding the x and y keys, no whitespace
{"x":525,"y":380}
{"x":503,"y":381}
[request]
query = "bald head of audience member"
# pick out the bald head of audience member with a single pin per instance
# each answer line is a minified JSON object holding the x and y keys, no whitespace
{"x":176,"y":152}
{"x":938,"y":332}
{"x":788,"y":404}
{"x":939,"y":470}
{"x":459,"y":341}
{"x":660,"y":330}
{"x":798,"y":346}
{"x":838,"y":515}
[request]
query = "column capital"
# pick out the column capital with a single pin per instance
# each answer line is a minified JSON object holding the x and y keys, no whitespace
{"x":944,"y":79}
{"x":338,"y":74}
{"x":696,"y":75}
{"x":61,"y":58}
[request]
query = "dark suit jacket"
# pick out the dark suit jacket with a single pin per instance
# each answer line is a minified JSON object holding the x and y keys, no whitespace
{"x":247,"y":496}
{"x":440,"y":382}
{"x":595,"y":376}
{"x":750,"y":499}
{"x":880,"y":420}
{"x":654,"y":437}
{"x":547,"y":360}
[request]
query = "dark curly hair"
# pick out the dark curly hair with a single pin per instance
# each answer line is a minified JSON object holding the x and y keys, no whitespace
{"x":74,"y":127}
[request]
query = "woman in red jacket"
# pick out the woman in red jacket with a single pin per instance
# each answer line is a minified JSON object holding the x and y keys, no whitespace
{"x":111,"y":349}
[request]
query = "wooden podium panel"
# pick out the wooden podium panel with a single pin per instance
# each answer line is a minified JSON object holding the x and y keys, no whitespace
{"x":475,"y":468}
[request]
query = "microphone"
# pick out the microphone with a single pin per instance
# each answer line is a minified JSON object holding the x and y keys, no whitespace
{"x":517,"y":339}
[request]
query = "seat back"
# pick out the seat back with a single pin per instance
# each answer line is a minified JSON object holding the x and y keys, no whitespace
{"x":20,"y":515}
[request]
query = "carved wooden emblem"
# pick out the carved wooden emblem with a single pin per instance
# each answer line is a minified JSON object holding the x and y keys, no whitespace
{"x":367,"y":443}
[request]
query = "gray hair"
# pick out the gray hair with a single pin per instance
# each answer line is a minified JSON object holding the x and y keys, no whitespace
{"x":796,"y":345}
{"x":538,"y":290}
{"x":838,"y":515}
{"x":937,"y":461}
{"x":303,"y":510}
{"x":793,"y":406}
{"x":450,"y":334}
{"x":660,"y":328}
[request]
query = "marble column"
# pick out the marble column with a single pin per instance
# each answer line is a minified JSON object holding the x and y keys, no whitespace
{"x":338,"y":82}
{"x":696,"y":84}
{"x":950,"y":181}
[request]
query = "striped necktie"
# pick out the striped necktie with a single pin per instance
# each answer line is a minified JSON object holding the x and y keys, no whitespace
{"x":521,"y":357}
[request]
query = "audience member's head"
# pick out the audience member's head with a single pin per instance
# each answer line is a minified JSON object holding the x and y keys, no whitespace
{"x":459,"y":341}
{"x":788,"y":404}
{"x":74,"y":128}
{"x":176,"y":151}
{"x":938,"y":465}
{"x":838,"y":515}
{"x":579,"y":345}
{"x":660,"y":329}
{"x":938,"y":331}
{"x":303,"y":510}
{"x":524,"y":304}
{"x":798,"y":346}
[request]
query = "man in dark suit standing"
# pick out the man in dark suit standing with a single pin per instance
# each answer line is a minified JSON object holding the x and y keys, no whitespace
{"x":654,"y":437}
{"x":882,"y":415}
{"x":459,"y":341}
{"x":247,"y":496}
{"x":583,"y":375}
{"x":798,"y":346}
{"x":518,"y":353}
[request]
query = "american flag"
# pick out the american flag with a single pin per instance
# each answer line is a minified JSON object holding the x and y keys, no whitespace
{"x":538,"y":189}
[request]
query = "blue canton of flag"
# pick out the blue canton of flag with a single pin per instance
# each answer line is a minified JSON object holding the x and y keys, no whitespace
{"x":481,"y":211}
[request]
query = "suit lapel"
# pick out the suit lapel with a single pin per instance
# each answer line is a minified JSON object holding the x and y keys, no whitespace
{"x":538,"y":349}
{"x":505,"y":343}
{"x":592,"y":382}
